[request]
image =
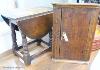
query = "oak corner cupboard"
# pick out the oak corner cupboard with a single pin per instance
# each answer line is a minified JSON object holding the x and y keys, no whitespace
{"x":73,"y":31}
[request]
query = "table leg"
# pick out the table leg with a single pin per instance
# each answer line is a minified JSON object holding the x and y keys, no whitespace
{"x":26,"y":55}
{"x":39,"y":42}
{"x":50,"y":38}
{"x":13,"y":34}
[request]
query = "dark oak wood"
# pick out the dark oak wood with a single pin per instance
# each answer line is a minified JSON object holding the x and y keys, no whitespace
{"x":14,"y":43}
{"x":78,"y":21}
{"x":26,"y":55}
{"x":33,"y":25}
{"x":37,"y":27}
{"x":50,"y":38}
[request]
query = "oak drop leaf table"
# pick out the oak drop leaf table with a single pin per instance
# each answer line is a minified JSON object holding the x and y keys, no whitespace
{"x":33,"y":23}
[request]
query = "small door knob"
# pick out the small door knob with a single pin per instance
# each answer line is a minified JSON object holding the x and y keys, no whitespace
{"x":64,"y":36}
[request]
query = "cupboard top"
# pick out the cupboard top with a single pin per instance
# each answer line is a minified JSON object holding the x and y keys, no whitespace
{"x":77,"y":5}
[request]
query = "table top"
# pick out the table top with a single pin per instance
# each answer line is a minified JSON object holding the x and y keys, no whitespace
{"x":23,"y":13}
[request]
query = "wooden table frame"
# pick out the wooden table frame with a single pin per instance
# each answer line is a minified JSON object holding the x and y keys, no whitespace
{"x":25,"y":56}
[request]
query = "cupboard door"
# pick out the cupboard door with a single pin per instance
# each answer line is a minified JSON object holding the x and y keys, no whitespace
{"x":76,"y":24}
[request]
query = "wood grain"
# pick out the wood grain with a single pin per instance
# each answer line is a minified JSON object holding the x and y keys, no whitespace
{"x":79,"y":23}
{"x":37,"y":27}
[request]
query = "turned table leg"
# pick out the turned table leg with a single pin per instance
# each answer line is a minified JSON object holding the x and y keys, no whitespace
{"x":26,"y":55}
{"x":39,"y":42}
{"x":13,"y":34}
{"x":50,"y":38}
